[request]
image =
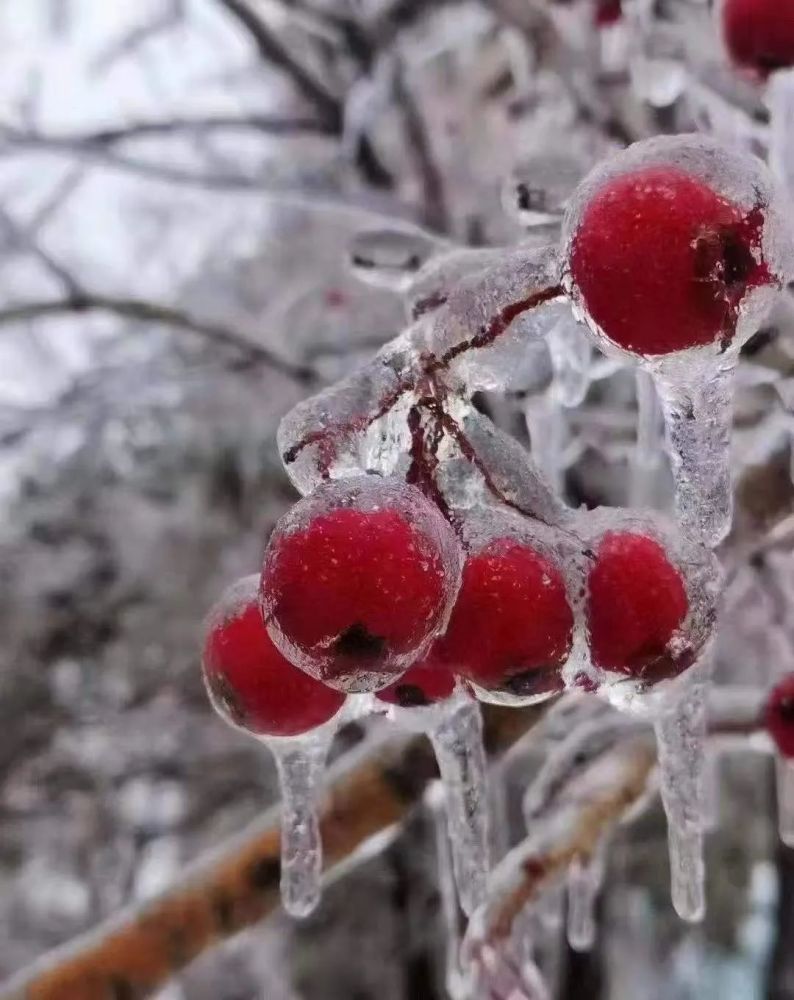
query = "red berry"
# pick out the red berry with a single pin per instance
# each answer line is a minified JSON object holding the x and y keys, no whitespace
{"x":608,"y":12}
{"x":636,"y":603}
{"x":511,"y":628}
{"x":357,"y":581}
{"x":779,"y":716}
{"x":661,"y":262}
{"x":759,"y":34}
{"x":425,"y":683}
{"x":249,"y":682}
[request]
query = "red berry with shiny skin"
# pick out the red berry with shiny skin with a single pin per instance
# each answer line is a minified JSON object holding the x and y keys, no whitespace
{"x":425,"y":683}
{"x":512,"y":626}
{"x":355,"y":595}
{"x":636,"y":602}
{"x":661,"y":262}
{"x":779,"y":716}
{"x":249,"y":682}
{"x":759,"y":34}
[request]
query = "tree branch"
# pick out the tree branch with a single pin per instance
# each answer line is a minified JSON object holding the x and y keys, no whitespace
{"x":153,"y":312}
{"x":272,"y":51}
{"x":267,"y":124}
{"x":133,"y":954}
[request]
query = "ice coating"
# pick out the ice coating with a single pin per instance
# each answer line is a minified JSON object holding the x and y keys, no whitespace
{"x":700,"y":248}
{"x":391,"y":258}
{"x":357,"y":580}
{"x":478,"y":338}
{"x":680,"y":736}
{"x":457,"y":741}
{"x":576,"y":784}
{"x":784,"y":773}
{"x":301,"y":767}
{"x":538,"y":189}
{"x":571,"y":356}
{"x":647,"y":454}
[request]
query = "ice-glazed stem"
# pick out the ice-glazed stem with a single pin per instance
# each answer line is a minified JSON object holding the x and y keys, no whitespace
{"x":457,"y":741}
{"x":680,"y":738}
{"x":785,"y":799}
{"x":648,"y":446}
{"x":301,"y":766}
{"x":780,"y":99}
{"x":585,"y":876}
{"x":698,"y":415}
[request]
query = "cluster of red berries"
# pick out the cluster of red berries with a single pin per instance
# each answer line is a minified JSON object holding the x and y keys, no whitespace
{"x":779,"y":716}
{"x":365,"y":587}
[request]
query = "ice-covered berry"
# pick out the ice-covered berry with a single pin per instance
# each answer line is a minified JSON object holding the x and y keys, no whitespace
{"x":425,"y":683}
{"x":636,"y":604}
{"x":779,"y":716}
{"x":358,"y":579}
{"x":660,"y":261}
{"x":512,"y":626}
{"x":759,"y":34}
{"x":251,"y":685}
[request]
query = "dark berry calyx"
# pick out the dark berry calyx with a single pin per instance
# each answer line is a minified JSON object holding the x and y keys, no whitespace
{"x":425,"y":683}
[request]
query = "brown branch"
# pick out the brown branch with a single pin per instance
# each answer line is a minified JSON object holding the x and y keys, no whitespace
{"x":153,"y":312}
{"x":132,"y":955}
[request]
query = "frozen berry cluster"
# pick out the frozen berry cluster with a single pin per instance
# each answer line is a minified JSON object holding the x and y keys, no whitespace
{"x":367,"y":587}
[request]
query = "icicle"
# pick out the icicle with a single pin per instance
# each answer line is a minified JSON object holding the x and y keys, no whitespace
{"x":646,"y":454}
{"x":780,"y":98}
{"x":457,"y":741}
{"x":571,"y":354}
{"x":301,"y":765}
{"x":448,"y":893}
{"x":785,"y":799}
{"x":548,"y":431}
{"x":680,"y":736}
{"x":698,"y":419}
{"x":585,"y":877}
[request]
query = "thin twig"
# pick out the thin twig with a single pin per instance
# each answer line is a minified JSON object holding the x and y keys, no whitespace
{"x":272,"y":51}
{"x":153,"y":312}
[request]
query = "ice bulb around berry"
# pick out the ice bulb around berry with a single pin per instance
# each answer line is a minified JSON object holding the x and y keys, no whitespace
{"x":511,"y":629}
{"x":256,"y":690}
{"x":428,"y":699}
{"x":674,"y":252}
{"x":779,"y":718}
{"x":358,"y":578}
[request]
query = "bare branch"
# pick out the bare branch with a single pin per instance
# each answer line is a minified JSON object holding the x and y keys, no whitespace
{"x":21,"y":238}
{"x":267,"y":124}
{"x":272,"y":51}
{"x":152,"y":312}
{"x":238,"y":884}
